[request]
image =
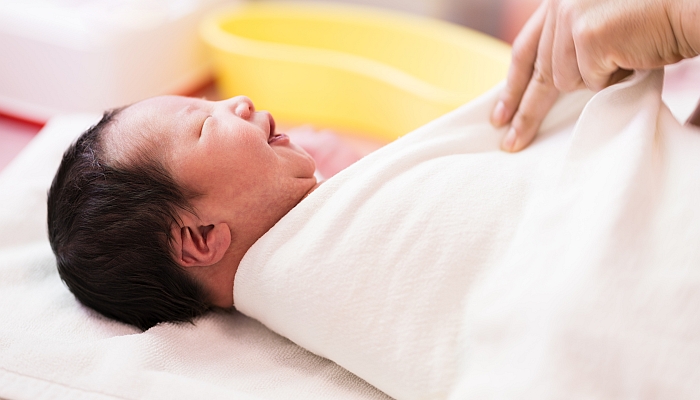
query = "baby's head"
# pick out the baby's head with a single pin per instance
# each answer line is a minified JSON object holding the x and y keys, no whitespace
{"x":152,"y":209}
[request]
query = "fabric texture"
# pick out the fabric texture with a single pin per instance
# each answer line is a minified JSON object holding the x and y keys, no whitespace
{"x":51,"y":347}
{"x":441,"y":267}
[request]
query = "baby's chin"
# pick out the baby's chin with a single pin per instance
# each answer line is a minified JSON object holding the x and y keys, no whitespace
{"x":309,"y":170}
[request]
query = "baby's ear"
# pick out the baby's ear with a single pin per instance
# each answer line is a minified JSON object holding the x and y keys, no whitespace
{"x":200,"y":246}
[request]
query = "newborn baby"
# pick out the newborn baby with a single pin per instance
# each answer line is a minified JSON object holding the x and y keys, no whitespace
{"x":152,"y":209}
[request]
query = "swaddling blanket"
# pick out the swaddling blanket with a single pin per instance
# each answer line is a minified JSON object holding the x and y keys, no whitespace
{"x":442,"y":266}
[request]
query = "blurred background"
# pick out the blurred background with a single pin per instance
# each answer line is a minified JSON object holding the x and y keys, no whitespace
{"x":66,"y":56}
{"x":499,"y":18}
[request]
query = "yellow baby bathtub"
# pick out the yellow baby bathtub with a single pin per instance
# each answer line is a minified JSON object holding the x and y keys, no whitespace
{"x":350,"y":68}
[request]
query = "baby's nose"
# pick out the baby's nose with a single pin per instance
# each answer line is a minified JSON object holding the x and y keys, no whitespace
{"x":243,"y":107}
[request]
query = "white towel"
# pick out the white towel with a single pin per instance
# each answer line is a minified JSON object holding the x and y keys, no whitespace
{"x":440,"y":265}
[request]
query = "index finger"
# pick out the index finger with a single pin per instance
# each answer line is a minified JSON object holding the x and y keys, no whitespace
{"x":521,"y":67}
{"x":539,"y":97}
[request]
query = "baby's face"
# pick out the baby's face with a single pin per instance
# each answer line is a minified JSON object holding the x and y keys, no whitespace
{"x":246,"y":173}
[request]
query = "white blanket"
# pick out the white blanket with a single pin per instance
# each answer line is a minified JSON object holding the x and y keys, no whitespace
{"x":441,"y":266}
{"x":53,"y":348}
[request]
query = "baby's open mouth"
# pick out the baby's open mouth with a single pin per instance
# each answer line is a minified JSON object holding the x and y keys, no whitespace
{"x":274,"y":136}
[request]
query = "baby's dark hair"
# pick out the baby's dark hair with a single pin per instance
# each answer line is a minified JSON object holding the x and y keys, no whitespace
{"x":109,"y":227}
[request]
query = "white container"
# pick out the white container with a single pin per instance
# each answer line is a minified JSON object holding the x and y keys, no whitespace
{"x":60,"y":56}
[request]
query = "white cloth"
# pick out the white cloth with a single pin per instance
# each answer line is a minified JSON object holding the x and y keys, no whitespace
{"x":53,"y":348}
{"x":442,"y":266}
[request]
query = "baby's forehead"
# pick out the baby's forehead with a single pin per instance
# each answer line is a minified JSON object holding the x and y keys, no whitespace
{"x":150,"y":128}
{"x":136,"y":128}
{"x":162,"y":106}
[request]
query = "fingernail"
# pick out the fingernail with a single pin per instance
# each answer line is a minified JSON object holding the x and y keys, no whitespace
{"x":509,"y":141}
{"x":499,"y":114}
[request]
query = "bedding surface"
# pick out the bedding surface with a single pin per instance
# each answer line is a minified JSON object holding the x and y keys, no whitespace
{"x":441,"y":267}
{"x":53,"y":348}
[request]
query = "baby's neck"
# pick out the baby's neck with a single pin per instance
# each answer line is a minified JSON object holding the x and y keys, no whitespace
{"x":312,"y":189}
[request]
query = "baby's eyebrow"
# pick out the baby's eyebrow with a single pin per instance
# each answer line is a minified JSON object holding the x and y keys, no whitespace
{"x":189,"y":117}
{"x":189,"y":109}
{"x":195,"y":104}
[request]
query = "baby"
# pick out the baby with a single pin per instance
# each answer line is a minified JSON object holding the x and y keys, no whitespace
{"x":153,"y":208}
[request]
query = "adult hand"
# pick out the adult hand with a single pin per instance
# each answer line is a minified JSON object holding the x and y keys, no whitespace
{"x":571,"y":44}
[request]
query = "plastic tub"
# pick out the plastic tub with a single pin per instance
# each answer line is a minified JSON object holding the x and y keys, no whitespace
{"x":350,"y":68}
